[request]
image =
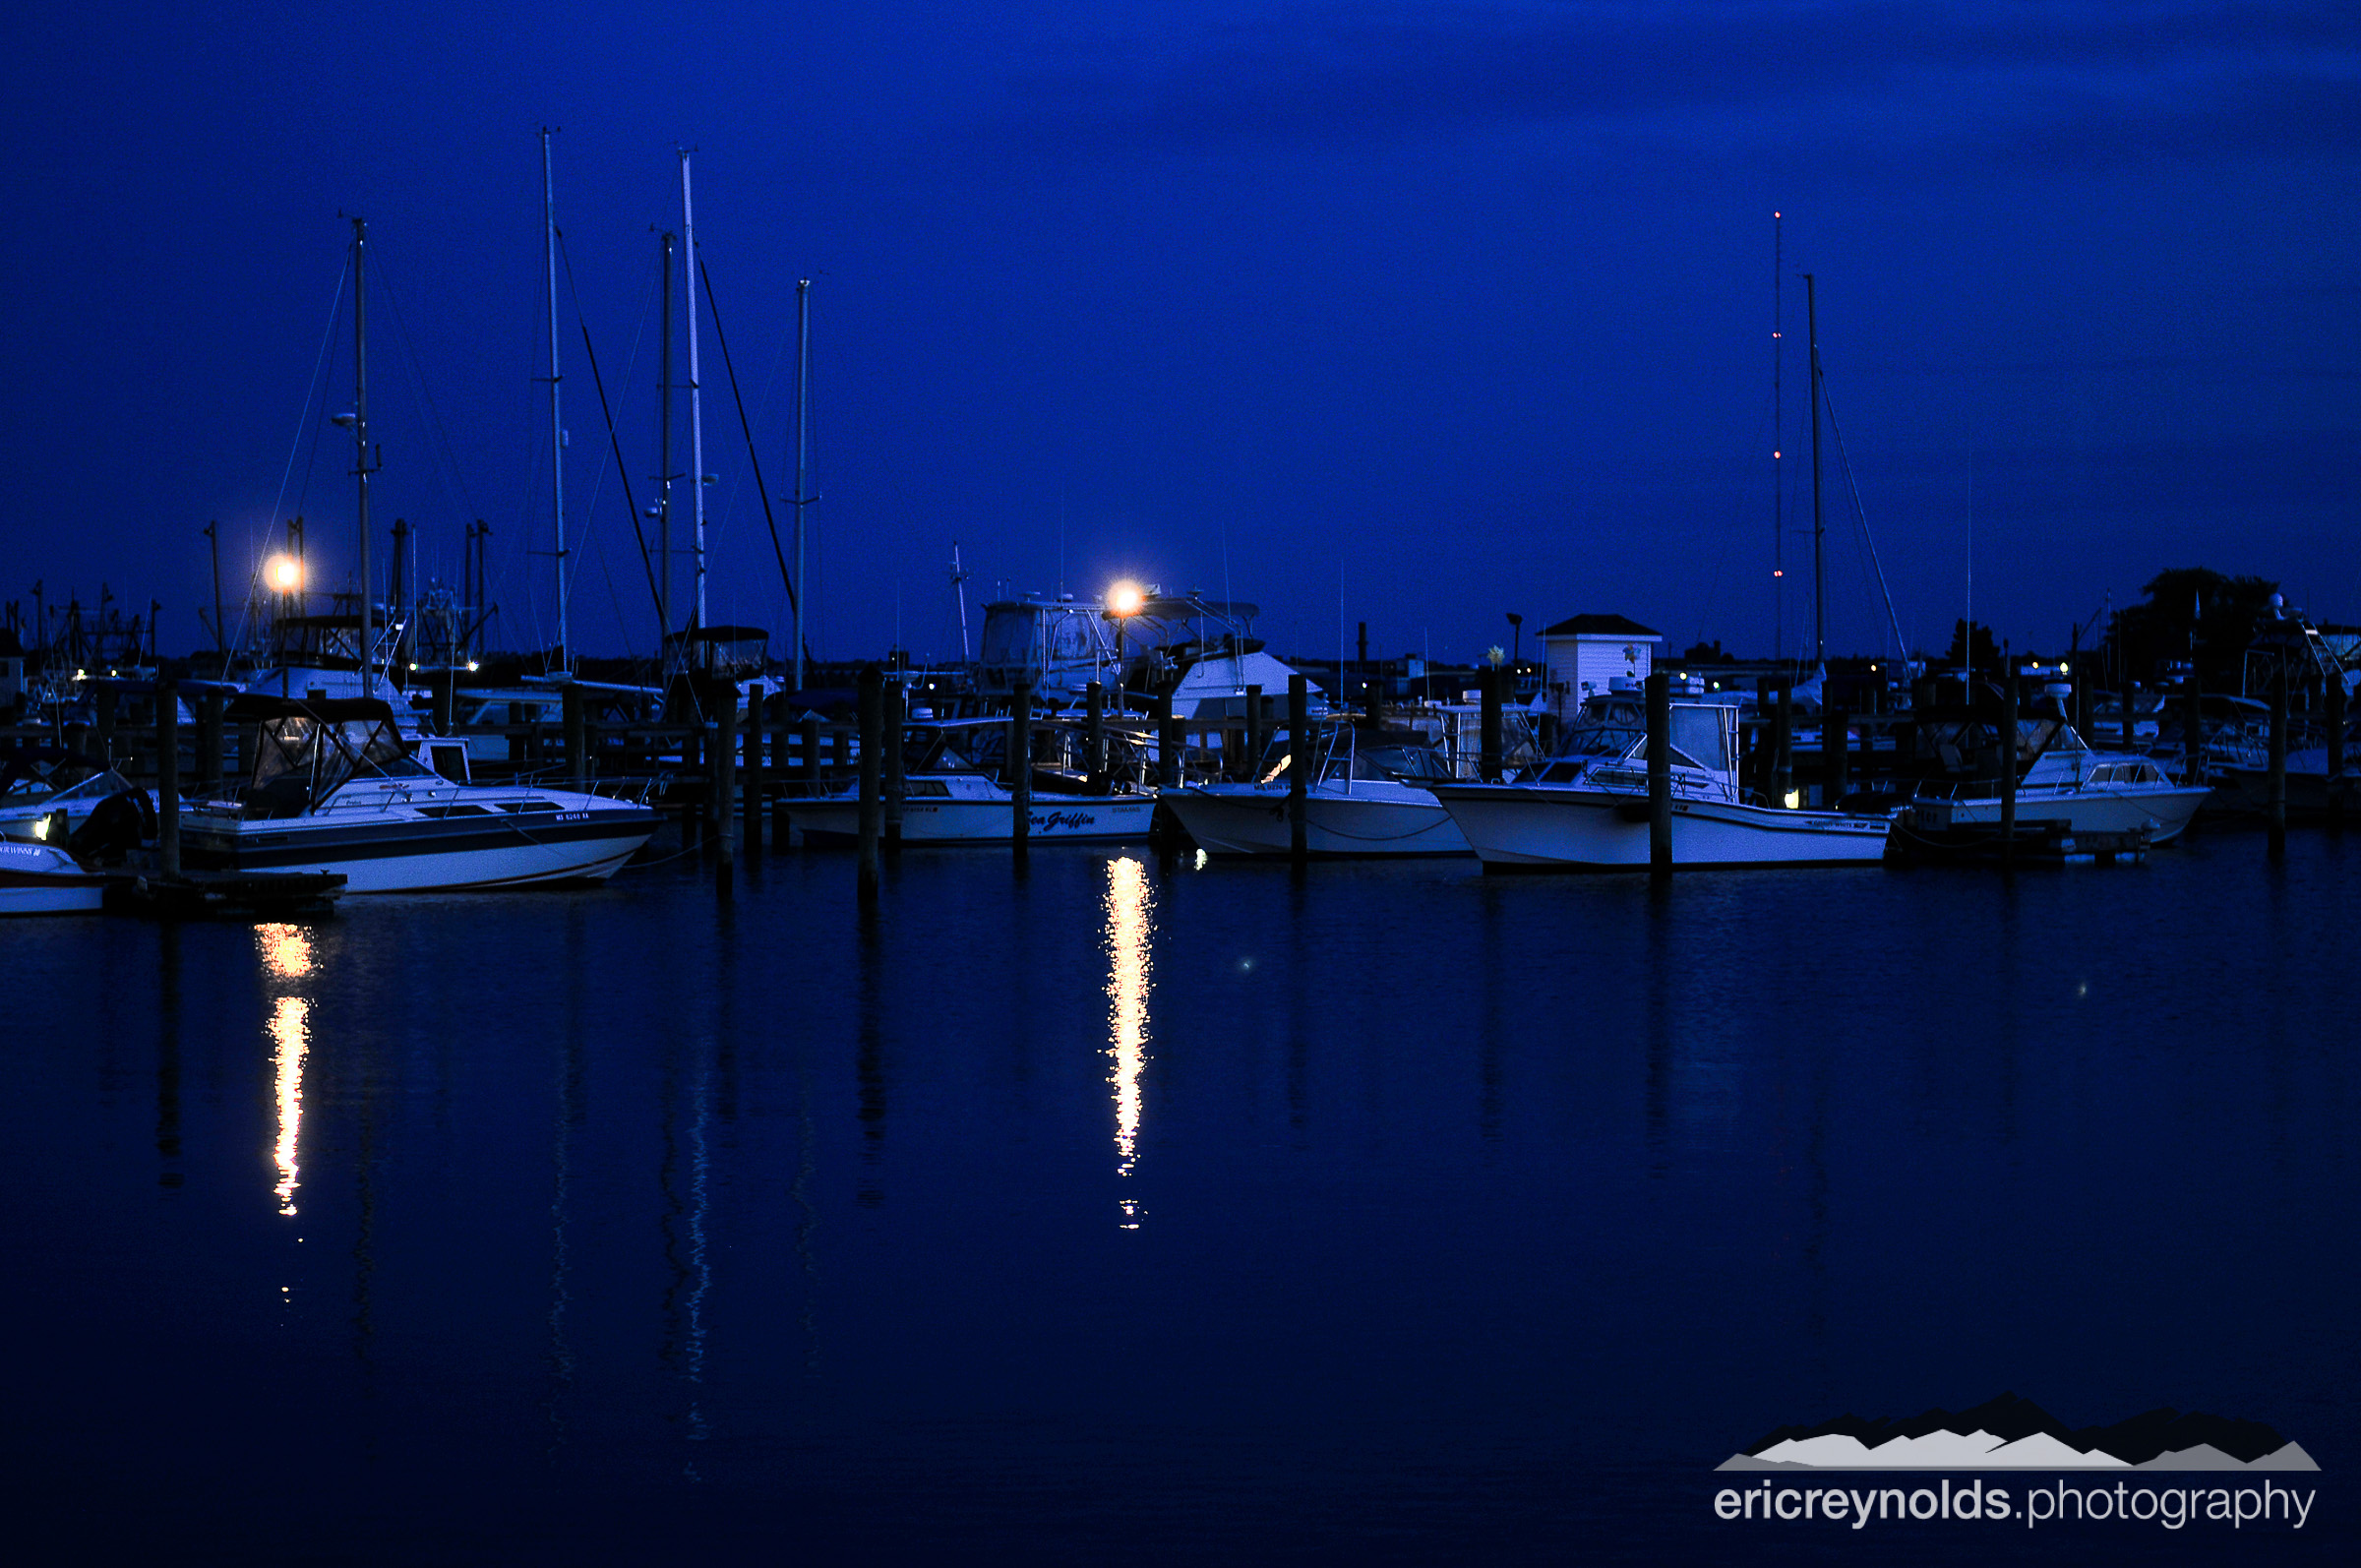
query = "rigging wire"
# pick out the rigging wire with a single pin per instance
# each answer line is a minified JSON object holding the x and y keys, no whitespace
{"x":607,"y":412}
{"x":1901,"y":650}
{"x":746,"y":428}
{"x":335,"y":308}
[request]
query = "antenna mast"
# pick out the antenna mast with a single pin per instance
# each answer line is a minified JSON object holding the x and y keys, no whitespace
{"x":1779,"y":436}
{"x":557,"y":432}
{"x":697,"y":418}
{"x":803,"y":451}
{"x":360,"y":435}
{"x":664,"y":474}
{"x":1812,"y":310}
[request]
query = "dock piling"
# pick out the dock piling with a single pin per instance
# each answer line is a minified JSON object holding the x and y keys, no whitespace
{"x":1021,"y":765}
{"x":1094,"y":735}
{"x":2333,"y":717}
{"x":1168,"y":739}
{"x":2278,"y":810}
{"x":102,"y":708}
{"x":1836,"y":756}
{"x":209,"y":741}
{"x":897,"y":784}
{"x":1302,"y":760}
{"x":1660,"y":774}
{"x":2192,"y":736}
{"x":167,"y":776}
{"x":2008,"y":768}
{"x":750,"y":774}
{"x":873,"y":725}
{"x":577,"y":748}
{"x":1487,"y":762}
{"x":1782,"y":747}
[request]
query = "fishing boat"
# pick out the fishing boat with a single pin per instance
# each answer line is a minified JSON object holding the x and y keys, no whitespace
{"x":1586,"y":808}
{"x":39,"y":783}
{"x":955,"y":790}
{"x":1368,"y":796}
{"x":335,"y":788}
{"x":43,"y":879}
{"x":2067,"y":786}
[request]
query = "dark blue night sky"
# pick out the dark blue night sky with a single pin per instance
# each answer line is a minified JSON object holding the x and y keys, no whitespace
{"x":1446,"y":311}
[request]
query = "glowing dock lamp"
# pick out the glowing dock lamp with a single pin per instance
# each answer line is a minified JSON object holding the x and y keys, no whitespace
{"x":287,"y":574}
{"x":1124,"y":599}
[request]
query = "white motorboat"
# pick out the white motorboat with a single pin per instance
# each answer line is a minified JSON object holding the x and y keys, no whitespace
{"x":1368,"y":798}
{"x":335,"y":788}
{"x":1586,"y":808}
{"x":2070,"y":785}
{"x":43,"y":879}
{"x":34,"y":791}
{"x":955,"y":791}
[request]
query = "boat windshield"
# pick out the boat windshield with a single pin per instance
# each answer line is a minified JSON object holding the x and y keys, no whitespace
{"x":44,"y":792}
{"x":1700,"y":738}
{"x":326,"y":753}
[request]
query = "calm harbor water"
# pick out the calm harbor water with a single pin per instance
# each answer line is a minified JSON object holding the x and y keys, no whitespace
{"x":1144,"y":1211}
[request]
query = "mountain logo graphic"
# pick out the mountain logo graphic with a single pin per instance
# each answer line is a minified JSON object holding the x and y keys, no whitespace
{"x":2012,"y":1434}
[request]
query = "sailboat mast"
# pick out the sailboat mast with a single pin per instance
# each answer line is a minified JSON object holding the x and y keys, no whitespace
{"x":664,"y":474}
{"x":802,"y":404}
{"x":1811,"y":312}
{"x":697,"y":425}
{"x":557,"y":432}
{"x":1779,"y":441}
{"x":360,"y":431}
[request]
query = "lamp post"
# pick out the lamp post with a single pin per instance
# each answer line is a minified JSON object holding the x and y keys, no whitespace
{"x":1516,"y":638}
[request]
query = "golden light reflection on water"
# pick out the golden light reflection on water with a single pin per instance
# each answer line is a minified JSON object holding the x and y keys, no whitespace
{"x":287,"y":954}
{"x":1128,"y":926}
{"x":290,"y":1031}
{"x":286,"y":951}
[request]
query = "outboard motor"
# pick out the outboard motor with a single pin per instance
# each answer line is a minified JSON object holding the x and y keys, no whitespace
{"x":114,"y":829}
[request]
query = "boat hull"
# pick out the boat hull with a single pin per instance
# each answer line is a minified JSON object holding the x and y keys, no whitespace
{"x":1375,"y":821}
{"x":2163,"y":814}
{"x":1570,"y":828}
{"x":411,"y":857}
{"x":1077,"y":819}
{"x":37,"y":880}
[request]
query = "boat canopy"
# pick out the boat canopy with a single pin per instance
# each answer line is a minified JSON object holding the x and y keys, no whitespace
{"x":307,"y":751}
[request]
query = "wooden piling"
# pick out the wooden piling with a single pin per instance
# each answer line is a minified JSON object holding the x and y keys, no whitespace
{"x":102,"y":707}
{"x":2130,"y":719}
{"x":752,"y":776}
{"x":2008,"y":768}
{"x":724,"y":751}
{"x":167,"y":776}
{"x":2334,"y":719}
{"x":2276,"y":817}
{"x":447,"y":700}
{"x":577,"y":737}
{"x":1021,"y":765}
{"x":842,"y":739}
{"x":1660,"y":774}
{"x":808,"y":742}
{"x":1783,"y":744}
{"x":1302,"y":758}
{"x":1167,"y":739}
{"x":1093,"y":734}
{"x":896,"y":785}
{"x":1836,"y":756}
{"x":1252,"y":764}
{"x":209,"y":741}
{"x":872,"y":726}
{"x":1487,"y":759}
{"x":2192,"y":732}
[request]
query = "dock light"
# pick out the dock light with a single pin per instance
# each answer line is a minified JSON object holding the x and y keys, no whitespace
{"x":286,"y":573}
{"x":470,"y":664}
{"x":1125,"y":598}
{"x":1795,"y":799}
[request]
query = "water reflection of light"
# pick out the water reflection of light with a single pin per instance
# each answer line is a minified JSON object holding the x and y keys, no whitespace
{"x":289,"y":1029}
{"x":286,"y":951}
{"x":1127,"y":929}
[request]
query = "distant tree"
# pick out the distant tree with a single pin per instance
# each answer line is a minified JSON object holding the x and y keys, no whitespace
{"x":1987,"y":655}
{"x":2191,"y":613}
{"x":1705,"y":653}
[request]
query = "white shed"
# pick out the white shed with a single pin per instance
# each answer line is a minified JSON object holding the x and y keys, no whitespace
{"x":1586,"y":655}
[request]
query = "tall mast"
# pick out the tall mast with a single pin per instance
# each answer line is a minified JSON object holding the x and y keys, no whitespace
{"x":664,"y":457}
{"x":1811,"y":311}
{"x":361,"y":433}
{"x":697,"y":425}
{"x":1778,"y":439}
{"x":802,"y":423}
{"x":557,"y":433}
